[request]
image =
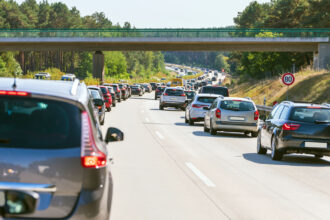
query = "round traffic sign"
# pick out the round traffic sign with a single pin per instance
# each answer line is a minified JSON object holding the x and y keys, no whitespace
{"x":288,"y":79}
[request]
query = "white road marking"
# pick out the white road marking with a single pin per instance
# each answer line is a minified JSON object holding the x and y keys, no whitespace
{"x":200,"y":175}
{"x":159,"y":135}
{"x":147,"y":120}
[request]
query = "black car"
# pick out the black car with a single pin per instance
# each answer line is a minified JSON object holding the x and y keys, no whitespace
{"x":296,"y":128}
{"x":218,"y":90}
{"x":98,"y":100}
{"x":159,"y":91}
{"x":136,"y":90}
{"x":153,"y":86}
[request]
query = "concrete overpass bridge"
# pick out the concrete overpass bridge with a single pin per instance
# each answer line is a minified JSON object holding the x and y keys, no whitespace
{"x":215,"y":39}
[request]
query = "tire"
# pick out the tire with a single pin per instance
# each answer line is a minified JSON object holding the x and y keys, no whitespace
{"x":254,"y":134}
{"x":212,"y":130}
{"x":246,"y":133}
{"x":102,"y":122}
{"x":318,"y":156}
{"x":119,"y":100}
{"x":191,"y":122}
{"x":185,"y":119}
{"x":275,"y":155}
{"x":155,"y":98}
{"x":161,"y":107}
{"x":109,"y":109}
{"x":113,"y":104}
{"x":260,"y":148}
{"x":205,"y":128}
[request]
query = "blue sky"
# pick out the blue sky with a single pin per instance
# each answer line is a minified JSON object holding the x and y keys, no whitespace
{"x":164,"y":13}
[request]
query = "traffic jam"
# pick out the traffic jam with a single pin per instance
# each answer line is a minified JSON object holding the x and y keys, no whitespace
{"x":54,"y":157}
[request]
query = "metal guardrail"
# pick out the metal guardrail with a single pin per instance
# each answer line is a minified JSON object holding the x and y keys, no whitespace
{"x":264,"y":108}
{"x":168,"y":33}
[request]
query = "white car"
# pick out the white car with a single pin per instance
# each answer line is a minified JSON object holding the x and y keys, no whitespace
{"x":195,"y":111}
{"x":173,"y":97}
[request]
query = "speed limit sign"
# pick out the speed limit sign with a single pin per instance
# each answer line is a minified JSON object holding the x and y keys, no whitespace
{"x":288,"y":79}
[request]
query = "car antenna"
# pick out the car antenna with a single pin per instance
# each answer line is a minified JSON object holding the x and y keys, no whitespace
{"x":14,"y":85}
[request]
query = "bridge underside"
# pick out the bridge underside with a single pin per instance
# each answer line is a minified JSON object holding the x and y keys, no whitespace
{"x":162,"y":44}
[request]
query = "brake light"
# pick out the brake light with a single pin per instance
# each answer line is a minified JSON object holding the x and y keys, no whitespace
{"x":14,"y":93}
{"x":91,"y":156}
{"x":183,"y":95}
{"x":198,"y":106}
{"x":290,"y":127}
{"x":218,"y":113}
{"x":256,"y":115}
{"x":165,"y":94}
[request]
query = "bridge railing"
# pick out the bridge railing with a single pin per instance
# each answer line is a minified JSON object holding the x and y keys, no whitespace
{"x":165,"y":33}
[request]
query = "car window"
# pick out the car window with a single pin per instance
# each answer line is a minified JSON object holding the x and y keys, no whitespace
{"x":174,"y":92}
{"x":215,"y":90}
{"x":237,"y":105}
{"x":104,"y":90}
{"x":95,"y":94}
{"x":208,"y":100}
{"x":272,"y":114}
{"x":278,"y":112}
{"x":214,"y":104}
{"x":284,"y":112}
{"x":38,"y":123}
{"x":305,"y":114}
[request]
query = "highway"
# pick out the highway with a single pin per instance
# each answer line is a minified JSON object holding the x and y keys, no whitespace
{"x":168,"y":170}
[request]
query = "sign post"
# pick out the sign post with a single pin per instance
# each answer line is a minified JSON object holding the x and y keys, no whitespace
{"x":288,"y":79}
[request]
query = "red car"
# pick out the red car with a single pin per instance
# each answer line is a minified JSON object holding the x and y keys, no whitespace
{"x":107,"y":97}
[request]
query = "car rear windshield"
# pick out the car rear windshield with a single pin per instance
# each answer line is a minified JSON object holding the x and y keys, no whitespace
{"x":135,"y":87}
{"x":161,"y":88}
{"x":174,"y":92}
{"x":208,"y":100}
{"x":95,"y":94}
{"x":38,"y":123}
{"x":237,"y":105}
{"x":311,"y":114}
{"x":190,"y":95}
{"x":111,"y":90}
{"x":104,"y":90}
{"x":216,"y":90}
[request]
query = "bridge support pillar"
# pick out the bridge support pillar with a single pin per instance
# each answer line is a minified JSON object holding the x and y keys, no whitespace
{"x":322,"y":58}
{"x":98,"y":66}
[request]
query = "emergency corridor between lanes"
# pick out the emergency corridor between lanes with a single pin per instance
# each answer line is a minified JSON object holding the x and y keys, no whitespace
{"x":166,"y":169}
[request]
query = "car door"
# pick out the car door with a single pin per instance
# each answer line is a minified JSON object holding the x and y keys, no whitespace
{"x":269,"y":125}
{"x":212,"y":110}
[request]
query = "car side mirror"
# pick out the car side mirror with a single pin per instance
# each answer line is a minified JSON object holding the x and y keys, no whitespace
{"x":114,"y":134}
{"x":98,"y":102}
{"x":206,"y":108}
{"x":18,"y":203}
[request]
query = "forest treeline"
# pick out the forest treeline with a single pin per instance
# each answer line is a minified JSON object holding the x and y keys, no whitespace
{"x":273,"y":14}
{"x":31,"y":14}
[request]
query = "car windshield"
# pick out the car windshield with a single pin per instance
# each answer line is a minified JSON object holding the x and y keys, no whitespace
{"x":237,"y":105}
{"x":174,"y":92}
{"x":38,"y":123}
{"x":310,"y":114}
{"x":208,"y":100}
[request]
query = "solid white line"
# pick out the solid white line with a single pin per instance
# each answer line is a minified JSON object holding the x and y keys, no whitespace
{"x":159,"y":135}
{"x":147,"y":119}
{"x":200,"y":175}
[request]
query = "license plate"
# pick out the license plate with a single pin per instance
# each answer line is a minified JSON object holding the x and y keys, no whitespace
{"x":173,"y":99}
{"x":316,"y":144}
{"x":236,"y":118}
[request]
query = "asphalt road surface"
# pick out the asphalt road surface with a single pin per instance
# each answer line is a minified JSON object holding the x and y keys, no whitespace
{"x":168,"y":170}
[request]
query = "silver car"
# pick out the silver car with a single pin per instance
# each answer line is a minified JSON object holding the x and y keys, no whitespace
{"x":232,"y":114}
{"x":195,"y":111}
{"x":173,"y":97}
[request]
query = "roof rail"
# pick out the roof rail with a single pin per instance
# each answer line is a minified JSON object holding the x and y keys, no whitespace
{"x":287,"y":102}
{"x":74,"y":87}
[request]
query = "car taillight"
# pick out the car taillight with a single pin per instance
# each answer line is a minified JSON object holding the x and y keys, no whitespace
{"x":14,"y":93}
{"x":198,"y":106}
{"x":165,"y":94}
{"x":91,"y":156}
{"x":157,"y":90}
{"x":218,"y":113}
{"x":290,"y":127}
{"x":183,"y":95}
{"x":256,"y":115}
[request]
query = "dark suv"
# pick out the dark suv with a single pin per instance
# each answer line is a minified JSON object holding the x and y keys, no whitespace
{"x":218,"y":90}
{"x":51,"y":141}
{"x":296,"y":128}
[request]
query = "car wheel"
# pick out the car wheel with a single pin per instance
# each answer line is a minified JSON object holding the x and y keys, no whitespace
{"x":109,"y":109}
{"x":212,"y":130}
{"x":318,"y":156}
{"x":185,"y":119}
{"x":191,"y":121}
{"x":246,"y":133}
{"x":102,"y":122}
{"x":205,"y":128}
{"x":113,"y":104}
{"x":119,"y":100}
{"x":260,"y":148}
{"x":254,"y":134}
{"x":155,"y":98}
{"x":275,"y":155}
{"x":161,"y":107}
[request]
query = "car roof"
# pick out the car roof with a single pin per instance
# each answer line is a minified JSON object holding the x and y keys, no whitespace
{"x":208,"y":95}
{"x":72,"y":90}
{"x":237,"y":98}
{"x":305,"y":104}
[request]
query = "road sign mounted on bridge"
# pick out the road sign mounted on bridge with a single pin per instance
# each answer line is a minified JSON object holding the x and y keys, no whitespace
{"x":288,"y":79}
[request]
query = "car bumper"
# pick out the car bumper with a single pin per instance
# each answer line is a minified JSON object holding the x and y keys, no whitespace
{"x":173,"y":104}
{"x":136,"y":93}
{"x":236,"y":126}
{"x":294,"y":145}
{"x":198,"y":114}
